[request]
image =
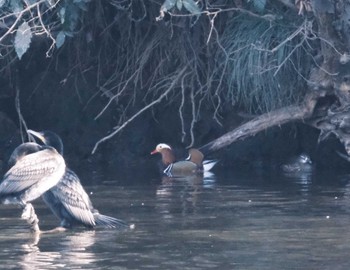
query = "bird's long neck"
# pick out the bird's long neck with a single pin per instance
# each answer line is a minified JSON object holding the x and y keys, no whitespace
{"x":23,"y":150}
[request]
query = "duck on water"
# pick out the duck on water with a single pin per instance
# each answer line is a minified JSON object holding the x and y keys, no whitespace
{"x":193,"y":164}
{"x":40,"y":170}
{"x":300,"y":163}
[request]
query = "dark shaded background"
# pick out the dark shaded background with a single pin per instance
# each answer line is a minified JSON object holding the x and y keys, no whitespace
{"x":61,"y":93}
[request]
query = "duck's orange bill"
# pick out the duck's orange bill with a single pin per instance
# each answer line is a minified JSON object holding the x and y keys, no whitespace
{"x":154,"y":152}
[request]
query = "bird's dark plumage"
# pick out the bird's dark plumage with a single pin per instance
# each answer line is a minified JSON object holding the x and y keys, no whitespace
{"x":34,"y":169}
{"x":68,"y":200}
{"x":71,"y":204}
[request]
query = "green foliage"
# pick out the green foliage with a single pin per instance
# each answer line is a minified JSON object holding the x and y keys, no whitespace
{"x":179,"y":4}
{"x":16,"y":6}
{"x":27,"y":19}
{"x":189,"y":5}
{"x":70,"y":15}
{"x":265,"y":70}
{"x":169,"y":4}
{"x":204,"y":68}
{"x":259,"y":5}
{"x":61,"y":37}
{"x":22,"y":39}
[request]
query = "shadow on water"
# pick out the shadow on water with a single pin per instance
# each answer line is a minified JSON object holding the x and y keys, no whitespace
{"x":230,"y":220}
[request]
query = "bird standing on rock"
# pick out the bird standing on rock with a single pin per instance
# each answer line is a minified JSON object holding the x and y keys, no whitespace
{"x":194,"y":164}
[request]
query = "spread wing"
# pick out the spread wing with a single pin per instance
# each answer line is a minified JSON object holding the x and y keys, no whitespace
{"x":30,"y":170}
{"x":71,"y":194}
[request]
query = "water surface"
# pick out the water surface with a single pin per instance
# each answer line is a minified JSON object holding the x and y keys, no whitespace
{"x":228,"y":221}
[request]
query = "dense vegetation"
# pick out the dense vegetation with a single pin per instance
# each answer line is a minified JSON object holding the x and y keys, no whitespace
{"x":176,"y":71}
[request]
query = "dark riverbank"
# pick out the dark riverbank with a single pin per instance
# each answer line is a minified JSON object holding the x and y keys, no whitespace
{"x":71,"y":114}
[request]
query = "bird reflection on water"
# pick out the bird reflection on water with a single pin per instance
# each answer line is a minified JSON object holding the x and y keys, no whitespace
{"x":58,"y":250}
{"x":187,"y":189}
{"x":300,"y":169}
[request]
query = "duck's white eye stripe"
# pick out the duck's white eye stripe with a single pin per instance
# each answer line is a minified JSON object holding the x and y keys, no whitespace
{"x":163,"y":145}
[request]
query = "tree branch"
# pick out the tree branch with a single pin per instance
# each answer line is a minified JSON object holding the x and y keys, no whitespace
{"x":264,"y":121}
{"x":161,"y":97}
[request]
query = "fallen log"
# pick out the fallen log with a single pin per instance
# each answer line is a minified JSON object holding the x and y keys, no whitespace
{"x":265,"y":121}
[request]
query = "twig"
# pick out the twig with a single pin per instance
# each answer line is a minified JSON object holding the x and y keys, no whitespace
{"x":117,"y":95}
{"x":19,"y":16}
{"x":161,"y":97}
{"x":47,"y":33}
{"x":181,"y":108}
{"x":22,"y":122}
{"x":194,"y":118}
